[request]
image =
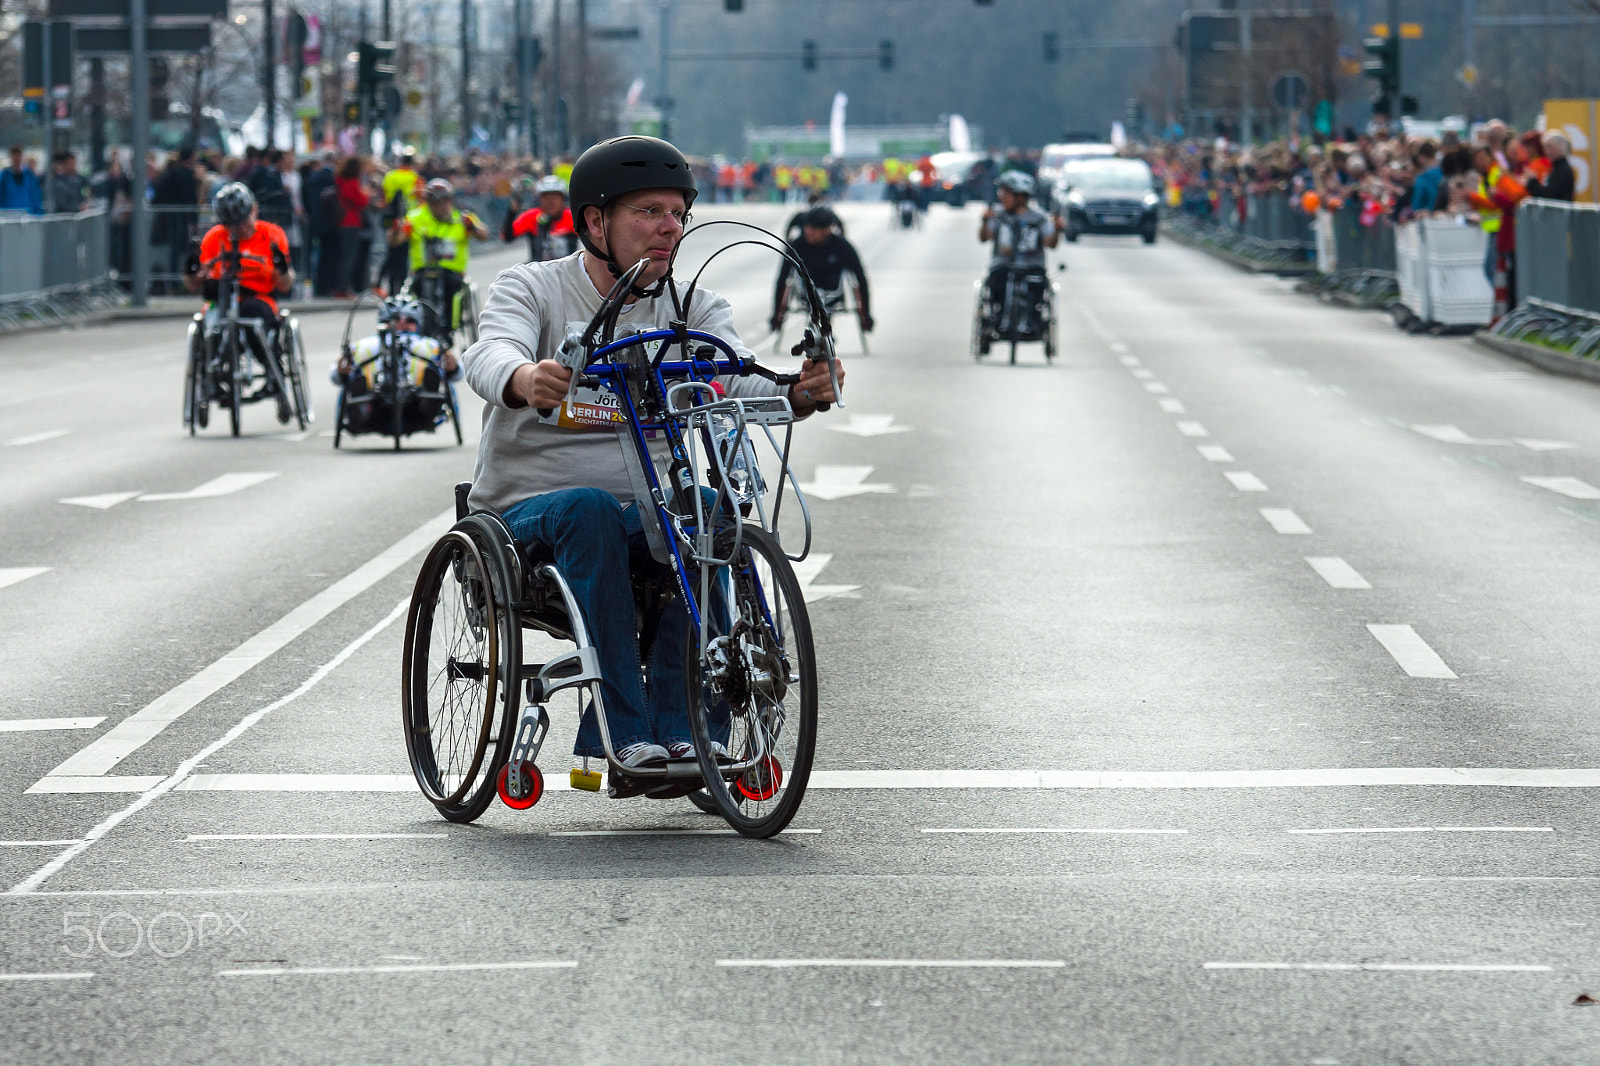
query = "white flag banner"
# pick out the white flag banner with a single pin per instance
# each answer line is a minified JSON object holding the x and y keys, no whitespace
{"x":960,"y":136}
{"x":836,"y":125}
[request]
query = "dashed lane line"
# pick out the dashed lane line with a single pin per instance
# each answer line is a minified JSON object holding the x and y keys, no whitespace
{"x":1410,"y":651}
{"x":1285,"y":521}
{"x":1214,"y":453}
{"x":447,"y":967}
{"x":883,"y":780}
{"x":893,"y":964}
{"x":36,"y":438}
{"x":12,"y":575}
{"x":33,"y":725}
{"x":1171,"y":406}
{"x":313,"y":836}
{"x":1336,"y":572}
{"x":1245,"y":481}
{"x":1155,"y":387}
{"x":142,"y":726}
{"x":1144,"y":375}
{"x":37,"y":843}
{"x":1576,"y":488}
{"x":1427,"y":829}
{"x":1064,"y":830}
{"x":81,"y":976}
{"x":1380,"y":967}
{"x":1192,"y":429}
{"x":666,"y":832}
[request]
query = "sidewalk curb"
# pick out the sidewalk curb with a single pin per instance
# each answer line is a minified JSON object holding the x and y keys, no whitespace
{"x":1544,"y":358}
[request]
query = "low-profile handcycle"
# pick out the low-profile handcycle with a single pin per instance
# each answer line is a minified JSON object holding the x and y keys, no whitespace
{"x":711,"y":519}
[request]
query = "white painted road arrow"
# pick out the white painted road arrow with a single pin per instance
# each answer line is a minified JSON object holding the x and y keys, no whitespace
{"x":13,"y":574}
{"x":807,"y":570}
{"x":871,"y":426}
{"x":103,"y":502}
{"x":837,"y":482}
{"x":226,"y":485}
{"x":1577,"y":488}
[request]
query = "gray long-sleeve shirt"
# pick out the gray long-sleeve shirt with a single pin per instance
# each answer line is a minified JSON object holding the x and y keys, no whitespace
{"x":525,"y":320}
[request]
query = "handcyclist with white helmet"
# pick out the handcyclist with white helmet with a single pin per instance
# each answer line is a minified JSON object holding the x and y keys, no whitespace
{"x":549,"y":458}
{"x":361,"y":373}
{"x":548,"y":226}
{"x":1020,"y":233}
{"x":439,"y":237}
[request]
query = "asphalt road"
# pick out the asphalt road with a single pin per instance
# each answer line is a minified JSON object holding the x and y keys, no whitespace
{"x":1219,"y":694}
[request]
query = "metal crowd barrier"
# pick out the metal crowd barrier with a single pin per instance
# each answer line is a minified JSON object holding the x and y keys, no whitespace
{"x":1558,"y":278}
{"x":1271,"y":235}
{"x":53,"y":266}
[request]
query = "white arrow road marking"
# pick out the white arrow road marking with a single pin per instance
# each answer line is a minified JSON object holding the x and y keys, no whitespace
{"x":11,"y":575}
{"x":103,"y":502}
{"x":1454,"y":435}
{"x":1410,"y":651}
{"x":1534,"y":444}
{"x":808,"y":569}
{"x":36,"y":438}
{"x":837,"y":482}
{"x":871,"y":426}
{"x":1575,"y":487}
{"x":226,"y":485}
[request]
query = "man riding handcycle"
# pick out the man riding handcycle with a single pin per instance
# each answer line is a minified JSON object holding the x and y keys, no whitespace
{"x":242,"y":349}
{"x":396,"y":381}
{"x":835,"y":267}
{"x":439,"y":238}
{"x":1016,"y":302}
{"x":614,"y":473}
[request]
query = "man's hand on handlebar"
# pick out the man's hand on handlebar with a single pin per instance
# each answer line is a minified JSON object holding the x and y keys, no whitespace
{"x":814,"y":387}
{"x":542,"y":385}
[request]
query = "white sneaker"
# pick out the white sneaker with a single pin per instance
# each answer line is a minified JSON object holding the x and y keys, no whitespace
{"x":684,"y":750}
{"x":642,"y":754}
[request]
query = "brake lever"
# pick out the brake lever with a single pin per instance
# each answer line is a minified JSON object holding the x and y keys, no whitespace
{"x":574,"y":357}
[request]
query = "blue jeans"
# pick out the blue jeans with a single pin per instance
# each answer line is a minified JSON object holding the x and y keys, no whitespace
{"x":591,"y":533}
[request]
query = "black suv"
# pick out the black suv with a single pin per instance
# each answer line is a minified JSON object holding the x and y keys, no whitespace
{"x":1108,"y":196}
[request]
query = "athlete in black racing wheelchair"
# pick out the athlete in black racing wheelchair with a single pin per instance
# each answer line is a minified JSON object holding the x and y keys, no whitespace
{"x":1016,"y":302}
{"x":398,"y":381}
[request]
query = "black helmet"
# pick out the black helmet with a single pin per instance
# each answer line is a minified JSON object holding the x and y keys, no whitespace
{"x":819,"y":217}
{"x":233,"y":204}
{"x":622,"y":165}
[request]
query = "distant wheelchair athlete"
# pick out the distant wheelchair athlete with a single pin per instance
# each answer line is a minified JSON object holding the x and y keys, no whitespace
{"x":438,"y":236}
{"x":835,"y":268}
{"x":1015,"y":303}
{"x":242,"y":348}
{"x":396,"y":381}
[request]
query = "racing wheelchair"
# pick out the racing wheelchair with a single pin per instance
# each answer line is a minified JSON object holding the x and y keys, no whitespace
{"x":711,"y":525}
{"x":224,"y":364}
{"x":394,"y":390}
{"x":845,"y":300}
{"x":1024,"y":313}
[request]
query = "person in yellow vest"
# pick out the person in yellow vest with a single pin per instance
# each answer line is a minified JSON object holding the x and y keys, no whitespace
{"x":438,"y":237}
{"x":400,"y":195}
{"x":1489,"y":214}
{"x":819,"y":180}
{"x":782,"y":182}
{"x":893,"y":171}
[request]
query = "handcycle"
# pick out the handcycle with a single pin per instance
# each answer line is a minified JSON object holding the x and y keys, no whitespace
{"x":444,"y":313}
{"x":844,"y":300}
{"x":1025,"y":312}
{"x":223,"y":367}
{"x":391,"y":384}
{"x":711,"y":523}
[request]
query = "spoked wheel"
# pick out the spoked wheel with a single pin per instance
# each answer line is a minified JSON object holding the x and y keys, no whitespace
{"x":338,"y":416}
{"x":1013,"y":353}
{"x":979,"y":347}
{"x":454,"y":408}
{"x":755,"y":691}
{"x":1050,"y":337}
{"x":459,"y":682}
{"x":469,"y":313}
{"x":861,"y":323}
{"x":238,"y":378}
{"x":195,"y":400}
{"x":299,"y":378}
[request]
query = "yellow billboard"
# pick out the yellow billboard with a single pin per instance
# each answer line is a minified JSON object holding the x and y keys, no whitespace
{"x":1577,"y":119}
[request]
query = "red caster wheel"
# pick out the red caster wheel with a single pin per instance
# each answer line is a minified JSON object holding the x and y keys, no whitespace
{"x":762,"y":781}
{"x":533,"y":785}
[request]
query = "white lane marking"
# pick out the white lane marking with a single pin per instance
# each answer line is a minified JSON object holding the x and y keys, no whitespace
{"x":1057,"y":829}
{"x":1534,"y":444}
{"x":837,"y":482}
{"x":447,"y":967}
{"x":1245,"y":481}
{"x":292,"y":438}
{"x":1171,"y":406}
{"x":36,"y":843}
{"x":45,"y":976}
{"x":1144,"y":375}
{"x":187,"y":767}
{"x":1098,"y":326}
{"x":103,"y":502}
{"x":1285,"y":521}
{"x":1118,"y":346}
{"x":1577,"y":488}
{"x":1378,"y":967}
{"x":1155,"y":387}
{"x":1192,"y":429}
{"x":806,"y":572}
{"x":225,"y":485}
{"x":36,"y":438}
{"x":1431,"y":829}
{"x":12,"y":575}
{"x":800,"y":964}
{"x":57,"y":786}
{"x":871,"y":426}
{"x":1336,"y":572}
{"x":1214,"y":453}
{"x":1410,"y":651}
{"x":29,"y":725}
{"x":1366,"y":777}
{"x":666,"y":832}
{"x":314,"y":836}
{"x":1129,"y":360}
{"x":140,"y":727}
{"x":1454,"y":435}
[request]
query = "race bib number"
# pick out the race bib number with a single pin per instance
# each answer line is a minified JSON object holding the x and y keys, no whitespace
{"x":590,"y":408}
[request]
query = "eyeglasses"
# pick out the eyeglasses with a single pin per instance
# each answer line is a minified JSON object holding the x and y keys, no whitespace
{"x":656,"y":214}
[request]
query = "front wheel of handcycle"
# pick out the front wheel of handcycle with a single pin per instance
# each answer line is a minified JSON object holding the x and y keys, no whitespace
{"x":459,"y":673}
{"x":752,"y":690}
{"x":196,"y":384}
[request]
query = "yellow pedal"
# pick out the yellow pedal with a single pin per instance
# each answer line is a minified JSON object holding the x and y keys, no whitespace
{"x":588,"y":780}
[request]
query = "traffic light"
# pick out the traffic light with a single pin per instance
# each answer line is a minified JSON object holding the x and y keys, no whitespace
{"x":1052,"y":47}
{"x":885,"y":55}
{"x":808,"y":55}
{"x":1383,"y":66}
{"x":352,"y":112}
{"x":733,"y":5}
{"x":160,"y":72}
{"x":374,"y":64}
